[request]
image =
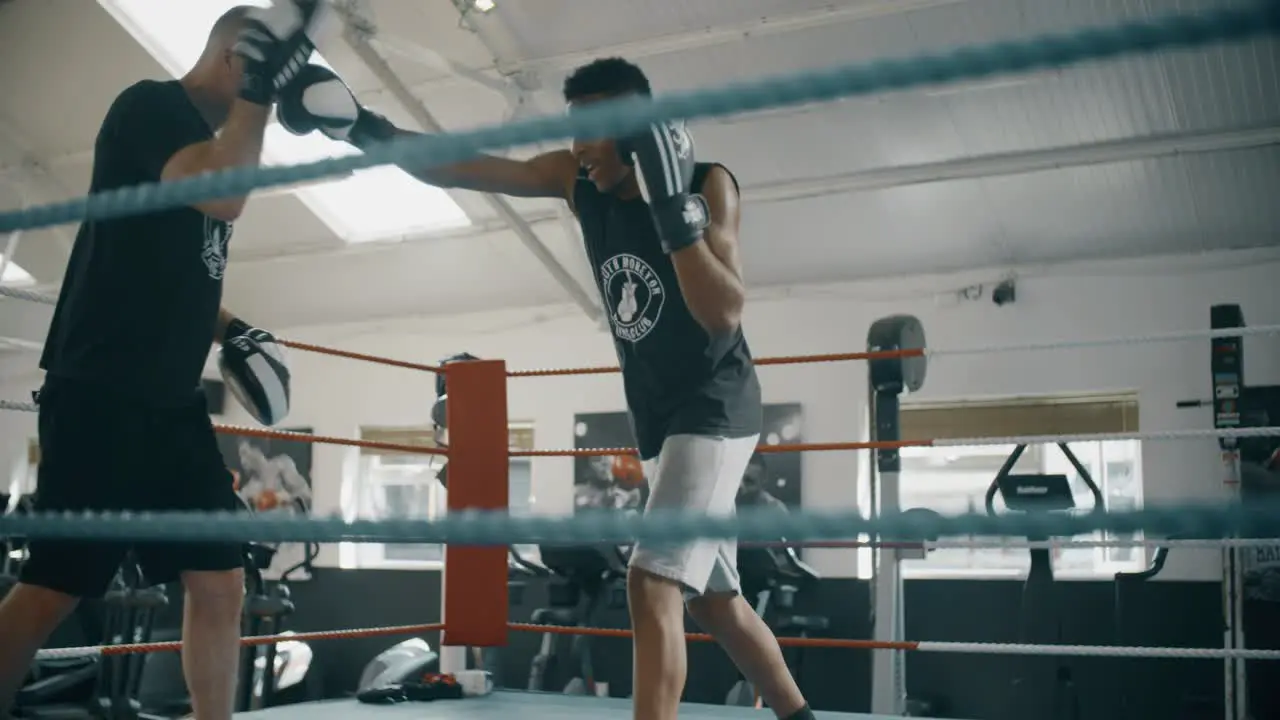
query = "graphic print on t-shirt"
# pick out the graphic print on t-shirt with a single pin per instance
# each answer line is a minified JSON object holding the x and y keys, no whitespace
{"x":214,"y":253}
{"x":634,"y":294}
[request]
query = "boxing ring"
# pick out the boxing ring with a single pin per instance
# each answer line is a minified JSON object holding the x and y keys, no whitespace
{"x":477,"y":529}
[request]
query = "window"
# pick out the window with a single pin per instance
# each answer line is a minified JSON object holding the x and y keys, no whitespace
{"x":14,"y":274}
{"x":954,"y":480}
{"x":368,"y":205}
{"x":391,"y":484}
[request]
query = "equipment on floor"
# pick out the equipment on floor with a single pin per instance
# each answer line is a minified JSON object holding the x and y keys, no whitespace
{"x":1040,"y":617}
{"x":102,"y":685}
{"x":414,"y":658}
{"x":266,"y":608}
{"x":583,"y":579}
{"x":1126,"y":582}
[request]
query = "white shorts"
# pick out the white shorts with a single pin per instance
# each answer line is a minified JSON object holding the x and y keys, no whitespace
{"x":701,"y":474}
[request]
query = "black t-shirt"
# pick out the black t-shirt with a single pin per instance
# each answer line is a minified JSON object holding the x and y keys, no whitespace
{"x":140,"y":298}
{"x":678,"y":378}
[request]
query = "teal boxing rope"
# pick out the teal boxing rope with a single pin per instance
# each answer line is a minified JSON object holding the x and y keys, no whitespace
{"x":492,"y":528}
{"x":622,"y":117}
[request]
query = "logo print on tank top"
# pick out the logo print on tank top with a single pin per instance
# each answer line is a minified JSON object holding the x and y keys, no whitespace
{"x":634,"y":294}
{"x":214,"y":253}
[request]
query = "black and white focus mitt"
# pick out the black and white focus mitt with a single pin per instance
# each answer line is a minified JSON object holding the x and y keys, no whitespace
{"x":276,"y":43}
{"x":317,"y":99}
{"x":253,"y":366}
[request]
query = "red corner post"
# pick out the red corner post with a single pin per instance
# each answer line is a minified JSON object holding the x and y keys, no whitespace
{"x":475,"y":609}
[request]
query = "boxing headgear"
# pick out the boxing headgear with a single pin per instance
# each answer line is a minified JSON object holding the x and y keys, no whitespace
{"x":439,"y":411}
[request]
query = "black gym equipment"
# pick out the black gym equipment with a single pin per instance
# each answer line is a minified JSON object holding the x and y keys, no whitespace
{"x":1040,"y":618}
{"x":774,"y":576}
{"x":582,"y":580}
{"x":267,"y":606}
{"x":54,"y":692}
{"x":1125,"y":582}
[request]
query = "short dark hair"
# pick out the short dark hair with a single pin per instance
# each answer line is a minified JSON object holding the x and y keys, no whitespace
{"x":606,"y":76}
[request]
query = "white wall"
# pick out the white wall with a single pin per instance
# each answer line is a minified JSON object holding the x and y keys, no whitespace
{"x":336,"y":396}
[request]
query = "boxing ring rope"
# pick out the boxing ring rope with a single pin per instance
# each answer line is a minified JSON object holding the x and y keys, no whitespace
{"x":964,"y":648}
{"x":251,"y":641}
{"x":1198,"y":433}
{"x":477,"y":527}
{"x":1176,"y":336}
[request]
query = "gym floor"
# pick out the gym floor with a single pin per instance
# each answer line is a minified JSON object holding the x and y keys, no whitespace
{"x":504,"y":704}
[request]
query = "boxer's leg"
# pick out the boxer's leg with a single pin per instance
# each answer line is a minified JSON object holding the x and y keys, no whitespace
{"x":692,"y":473}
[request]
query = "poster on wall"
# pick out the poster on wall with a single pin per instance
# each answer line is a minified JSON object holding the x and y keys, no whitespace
{"x":274,"y":476}
{"x":617,"y":482}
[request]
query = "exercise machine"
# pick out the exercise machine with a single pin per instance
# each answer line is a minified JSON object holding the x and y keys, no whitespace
{"x":521,"y":569}
{"x":266,"y":608}
{"x":1125,"y":582}
{"x":582,"y":580}
{"x":774,"y":576}
{"x":130,"y":608}
{"x":1039,"y":617}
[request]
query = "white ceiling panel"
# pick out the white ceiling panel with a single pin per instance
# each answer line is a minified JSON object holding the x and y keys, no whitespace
{"x":546,"y":28}
{"x":90,"y":56}
{"x":449,"y":275}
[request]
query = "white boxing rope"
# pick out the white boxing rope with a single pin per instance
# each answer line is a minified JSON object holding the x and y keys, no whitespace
{"x":1176,"y":336}
{"x":966,"y":648}
{"x":1249,"y":432}
{"x":1015,"y":543}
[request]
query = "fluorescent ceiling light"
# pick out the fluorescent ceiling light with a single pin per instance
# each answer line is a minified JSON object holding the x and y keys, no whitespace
{"x":15,"y":275}
{"x":368,"y":205}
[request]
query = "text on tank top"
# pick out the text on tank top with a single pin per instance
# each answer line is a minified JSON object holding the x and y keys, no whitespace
{"x":678,"y":379}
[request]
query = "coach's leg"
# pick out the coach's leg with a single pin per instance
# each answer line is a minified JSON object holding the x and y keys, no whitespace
{"x":28,"y":615}
{"x":211,"y":639}
{"x":212,"y":574}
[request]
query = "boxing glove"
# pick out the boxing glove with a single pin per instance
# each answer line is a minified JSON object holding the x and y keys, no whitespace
{"x":253,"y":366}
{"x":664,"y":163}
{"x":276,"y":43}
{"x":317,"y":99}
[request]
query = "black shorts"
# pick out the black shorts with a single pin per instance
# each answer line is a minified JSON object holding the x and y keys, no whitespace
{"x":99,"y":454}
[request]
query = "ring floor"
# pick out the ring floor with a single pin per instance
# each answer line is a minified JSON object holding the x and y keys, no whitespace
{"x":507,"y":705}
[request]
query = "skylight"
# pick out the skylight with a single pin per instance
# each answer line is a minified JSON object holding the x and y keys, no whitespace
{"x":368,"y":205}
{"x":14,"y":274}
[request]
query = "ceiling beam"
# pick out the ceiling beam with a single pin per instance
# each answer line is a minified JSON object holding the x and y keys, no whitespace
{"x":1016,"y":163}
{"x":490,"y":24}
{"x":357,"y":34}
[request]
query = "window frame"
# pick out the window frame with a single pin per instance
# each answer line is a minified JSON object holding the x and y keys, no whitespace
{"x":1112,"y":412}
{"x":373,"y":556}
